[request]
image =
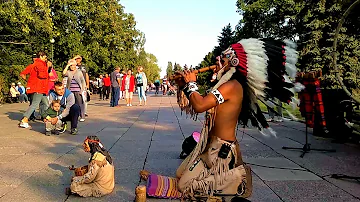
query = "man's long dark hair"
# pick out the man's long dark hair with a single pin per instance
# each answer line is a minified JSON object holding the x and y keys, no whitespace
{"x":96,"y":146}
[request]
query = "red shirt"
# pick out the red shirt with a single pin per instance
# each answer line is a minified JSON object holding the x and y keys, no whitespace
{"x":38,"y":81}
{"x":131,"y":84}
{"x":107,"y":81}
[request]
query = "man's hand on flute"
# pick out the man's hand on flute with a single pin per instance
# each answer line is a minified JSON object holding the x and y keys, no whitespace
{"x":186,"y":77}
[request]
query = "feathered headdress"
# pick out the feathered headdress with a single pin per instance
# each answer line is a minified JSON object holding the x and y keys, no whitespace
{"x":265,"y":68}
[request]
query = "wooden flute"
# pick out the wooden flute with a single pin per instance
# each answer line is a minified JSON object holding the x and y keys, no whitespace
{"x":204,"y":69}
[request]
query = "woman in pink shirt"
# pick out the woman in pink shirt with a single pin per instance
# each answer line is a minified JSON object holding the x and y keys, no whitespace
{"x":52,"y":75}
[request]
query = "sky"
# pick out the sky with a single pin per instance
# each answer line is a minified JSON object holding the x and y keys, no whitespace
{"x":181,"y":31}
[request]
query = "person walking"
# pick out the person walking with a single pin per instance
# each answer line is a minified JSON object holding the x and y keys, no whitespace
{"x":115,"y":87}
{"x":128,"y":85}
{"x":121,"y":95}
{"x":84,"y":71}
{"x":123,"y":73}
{"x":141,"y":84}
{"x":107,"y":84}
{"x":52,"y":75}
{"x":77,"y":85}
{"x":157,"y":86}
{"x":100,"y":84}
{"x":37,"y":87}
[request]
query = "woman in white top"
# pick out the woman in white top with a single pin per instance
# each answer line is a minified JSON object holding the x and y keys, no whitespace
{"x":141,"y":84}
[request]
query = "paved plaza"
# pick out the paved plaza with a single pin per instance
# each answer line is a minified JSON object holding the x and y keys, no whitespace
{"x":34,"y":167}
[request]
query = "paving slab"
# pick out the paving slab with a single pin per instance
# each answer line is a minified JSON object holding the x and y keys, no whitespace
{"x":150,"y":137}
{"x":318,"y":190}
{"x":274,"y":174}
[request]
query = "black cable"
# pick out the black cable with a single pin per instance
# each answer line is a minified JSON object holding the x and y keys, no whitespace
{"x":273,"y":167}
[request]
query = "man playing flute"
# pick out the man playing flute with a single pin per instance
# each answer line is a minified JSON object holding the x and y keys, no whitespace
{"x":248,"y":70}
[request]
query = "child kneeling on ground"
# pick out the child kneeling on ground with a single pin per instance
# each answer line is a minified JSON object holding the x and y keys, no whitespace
{"x":52,"y":112}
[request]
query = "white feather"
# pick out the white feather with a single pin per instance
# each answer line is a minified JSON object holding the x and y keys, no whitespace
{"x":272,"y":132}
{"x":291,"y":115}
{"x":290,"y":43}
{"x":262,"y":132}
{"x":298,"y":87}
{"x":257,"y":65}
{"x":293,"y":105}
{"x":290,"y":70}
{"x":269,"y":103}
{"x":267,"y":132}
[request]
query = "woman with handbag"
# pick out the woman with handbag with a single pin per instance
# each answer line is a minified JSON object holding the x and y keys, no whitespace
{"x":77,"y":85}
{"x":141,"y":84}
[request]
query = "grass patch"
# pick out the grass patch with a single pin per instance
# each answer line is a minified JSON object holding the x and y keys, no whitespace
{"x":295,"y":112}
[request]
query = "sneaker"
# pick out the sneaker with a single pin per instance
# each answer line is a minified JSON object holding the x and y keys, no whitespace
{"x":86,"y":115}
{"x":128,"y":105}
{"x":64,"y":127}
{"x":55,"y":132}
{"x":48,"y":133}
{"x":82,"y":120}
{"x":24,"y":125}
{"x":73,"y":131}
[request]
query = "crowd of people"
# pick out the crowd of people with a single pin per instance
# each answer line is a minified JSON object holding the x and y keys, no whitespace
{"x":121,"y":85}
{"x":66,"y":100}
{"x":58,"y":102}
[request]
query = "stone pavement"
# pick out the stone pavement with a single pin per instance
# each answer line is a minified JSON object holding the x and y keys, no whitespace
{"x":34,"y":167}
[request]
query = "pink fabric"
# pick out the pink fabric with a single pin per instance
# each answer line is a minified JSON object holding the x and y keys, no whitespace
{"x":196,"y":136}
{"x":52,"y":79}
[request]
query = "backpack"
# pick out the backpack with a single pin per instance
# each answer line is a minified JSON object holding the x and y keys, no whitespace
{"x":189,"y":144}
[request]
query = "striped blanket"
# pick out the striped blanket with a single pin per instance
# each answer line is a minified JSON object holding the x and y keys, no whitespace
{"x":162,"y":187}
{"x":311,"y":102}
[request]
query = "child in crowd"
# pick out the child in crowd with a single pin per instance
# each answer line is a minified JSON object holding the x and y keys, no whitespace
{"x":53,"y":111}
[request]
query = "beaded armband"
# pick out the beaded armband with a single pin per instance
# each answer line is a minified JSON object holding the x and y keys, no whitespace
{"x":190,"y":88}
{"x":218,"y":96}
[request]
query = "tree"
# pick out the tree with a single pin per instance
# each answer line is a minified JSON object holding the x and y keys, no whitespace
{"x":169,"y":69}
{"x":149,"y":62}
{"x":313,"y":23}
{"x":177,"y":67}
{"x":100,"y":31}
{"x":225,"y":39}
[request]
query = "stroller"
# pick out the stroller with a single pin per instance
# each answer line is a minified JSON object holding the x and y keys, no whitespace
{"x":171,"y":92}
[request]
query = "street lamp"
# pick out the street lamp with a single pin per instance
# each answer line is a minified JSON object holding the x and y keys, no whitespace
{"x":52,"y":41}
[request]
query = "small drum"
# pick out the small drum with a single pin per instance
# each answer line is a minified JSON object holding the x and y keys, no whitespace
{"x":80,"y":171}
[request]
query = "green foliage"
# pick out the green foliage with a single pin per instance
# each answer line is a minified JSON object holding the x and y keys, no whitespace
{"x":311,"y":23}
{"x":100,"y":31}
{"x":149,"y":62}
{"x":169,"y":69}
{"x":225,"y":39}
{"x":177,"y":67}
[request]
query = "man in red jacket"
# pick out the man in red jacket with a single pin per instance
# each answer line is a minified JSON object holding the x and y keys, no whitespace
{"x":37,"y":86}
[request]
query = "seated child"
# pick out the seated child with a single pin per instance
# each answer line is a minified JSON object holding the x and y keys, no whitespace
{"x":99,"y":179}
{"x":53,"y":111}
